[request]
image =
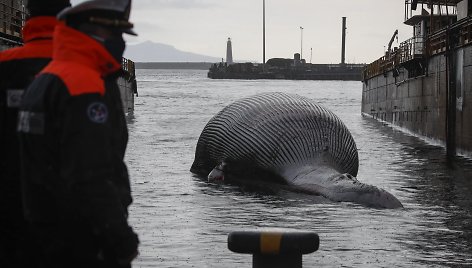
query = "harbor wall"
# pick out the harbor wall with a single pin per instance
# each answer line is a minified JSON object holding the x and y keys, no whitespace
{"x":286,"y":69}
{"x":419,"y":104}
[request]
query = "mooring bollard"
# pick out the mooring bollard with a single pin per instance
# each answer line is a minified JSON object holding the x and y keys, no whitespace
{"x":274,"y":249}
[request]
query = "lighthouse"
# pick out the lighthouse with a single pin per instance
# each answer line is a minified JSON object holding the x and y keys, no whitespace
{"x":229,"y":52}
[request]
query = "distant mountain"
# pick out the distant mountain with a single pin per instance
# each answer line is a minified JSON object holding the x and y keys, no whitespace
{"x":156,"y":52}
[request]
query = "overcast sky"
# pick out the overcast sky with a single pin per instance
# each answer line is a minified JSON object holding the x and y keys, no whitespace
{"x":203,"y":26}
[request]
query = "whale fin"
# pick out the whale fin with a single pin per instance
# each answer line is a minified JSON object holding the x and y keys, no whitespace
{"x":217,"y":174}
{"x":346,"y":188}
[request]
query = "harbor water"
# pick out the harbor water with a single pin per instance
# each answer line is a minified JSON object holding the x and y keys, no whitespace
{"x":183,"y":221}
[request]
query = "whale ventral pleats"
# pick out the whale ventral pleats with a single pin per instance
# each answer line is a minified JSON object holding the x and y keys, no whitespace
{"x":278,"y":137}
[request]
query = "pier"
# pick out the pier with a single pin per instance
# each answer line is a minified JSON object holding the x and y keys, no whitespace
{"x":287,"y":69}
{"x":290,"y":69}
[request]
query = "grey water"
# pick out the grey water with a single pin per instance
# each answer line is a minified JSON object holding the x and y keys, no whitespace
{"x":183,"y":221}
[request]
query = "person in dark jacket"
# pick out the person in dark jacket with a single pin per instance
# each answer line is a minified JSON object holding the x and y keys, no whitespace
{"x":73,"y":137}
{"x":18,"y":67}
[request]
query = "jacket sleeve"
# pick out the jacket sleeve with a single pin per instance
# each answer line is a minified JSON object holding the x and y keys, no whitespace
{"x":92,"y":191}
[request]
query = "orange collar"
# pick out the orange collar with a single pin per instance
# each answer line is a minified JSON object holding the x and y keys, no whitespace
{"x":39,"y":28}
{"x":37,"y":35}
{"x":74,"y":46}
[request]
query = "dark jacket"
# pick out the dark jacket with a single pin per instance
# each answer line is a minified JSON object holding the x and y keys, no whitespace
{"x":73,"y":138}
{"x":18,"y":67}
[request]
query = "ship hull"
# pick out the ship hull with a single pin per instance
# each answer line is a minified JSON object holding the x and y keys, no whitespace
{"x":436,"y":105}
{"x":127,"y":92}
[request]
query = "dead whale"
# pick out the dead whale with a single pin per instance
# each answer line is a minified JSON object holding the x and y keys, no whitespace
{"x":288,"y":139}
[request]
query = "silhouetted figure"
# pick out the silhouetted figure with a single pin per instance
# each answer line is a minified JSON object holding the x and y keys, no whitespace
{"x":73,"y":135}
{"x":18,"y":67}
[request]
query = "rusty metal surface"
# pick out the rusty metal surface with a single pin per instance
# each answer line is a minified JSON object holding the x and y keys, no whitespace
{"x":418,"y":104}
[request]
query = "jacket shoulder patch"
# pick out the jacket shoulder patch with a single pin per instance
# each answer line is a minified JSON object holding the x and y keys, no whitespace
{"x":97,"y":112}
{"x":14,"y":97}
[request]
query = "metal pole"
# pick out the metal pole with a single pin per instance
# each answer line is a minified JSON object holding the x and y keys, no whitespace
{"x":431,"y":25}
{"x":301,"y":43}
{"x":311,"y":54}
{"x":450,"y":94}
{"x":343,"y":52}
{"x":263,"y":36}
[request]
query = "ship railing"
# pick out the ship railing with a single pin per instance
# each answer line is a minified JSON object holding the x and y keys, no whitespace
{"x":381,"y":66}
{"x":440,"y":6}
{"x":437,"y":42}
{"x":412,"y":48}
{"x":12,"y":17}
{"x":373,"y":69}
{"x":465,"y":32}
{"x":129,"y":68}
{"x":422,"y":46}
{"x":129,"y":74}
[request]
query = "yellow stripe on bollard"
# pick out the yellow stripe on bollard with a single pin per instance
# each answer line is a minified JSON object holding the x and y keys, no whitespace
{"x":270,"y":243}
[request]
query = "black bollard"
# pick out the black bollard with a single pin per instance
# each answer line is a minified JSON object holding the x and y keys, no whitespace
{"x":274,"y":249}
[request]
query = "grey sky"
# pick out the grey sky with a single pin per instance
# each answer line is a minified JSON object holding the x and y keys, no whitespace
{"x":203,"y":26}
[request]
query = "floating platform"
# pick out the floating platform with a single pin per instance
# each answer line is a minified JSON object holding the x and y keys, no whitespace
{"x":290,"y":69}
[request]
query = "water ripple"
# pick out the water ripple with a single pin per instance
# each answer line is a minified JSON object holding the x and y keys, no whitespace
{"x":183,"y":221}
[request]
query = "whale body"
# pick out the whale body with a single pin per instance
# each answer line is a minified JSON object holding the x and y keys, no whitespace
{"x":287,"y":139}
